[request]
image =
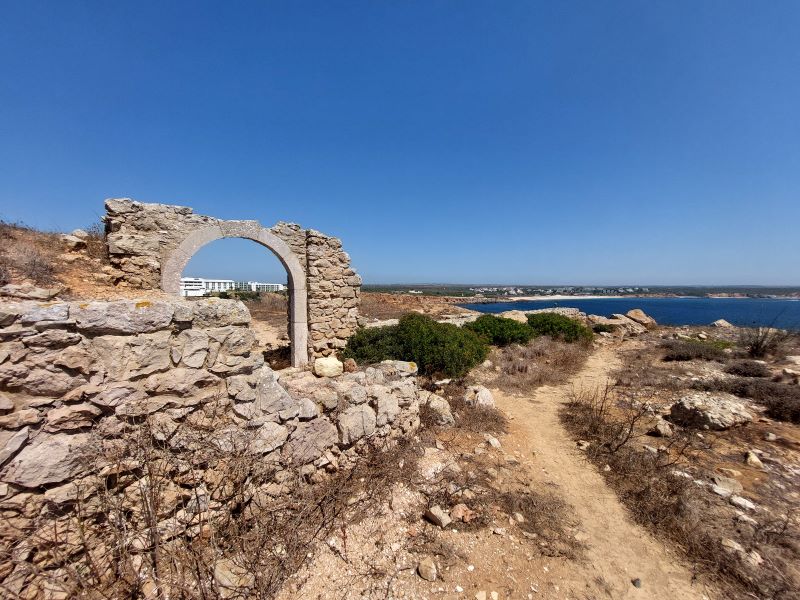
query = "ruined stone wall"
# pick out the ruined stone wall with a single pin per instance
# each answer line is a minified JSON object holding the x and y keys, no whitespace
{"x":333,"y":294}
{"x":142,"y":237}
{"x":85,"y":386}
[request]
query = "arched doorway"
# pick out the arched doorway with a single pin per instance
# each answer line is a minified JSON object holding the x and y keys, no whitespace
{"x":298,"y":295}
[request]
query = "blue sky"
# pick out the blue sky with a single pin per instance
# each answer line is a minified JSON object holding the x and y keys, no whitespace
{"x":462,"y":141}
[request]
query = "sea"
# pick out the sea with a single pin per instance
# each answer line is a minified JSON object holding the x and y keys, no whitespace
{"x":746,"y":312}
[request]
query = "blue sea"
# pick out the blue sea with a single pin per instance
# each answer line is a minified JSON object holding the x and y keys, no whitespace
{"x":783,"y":313}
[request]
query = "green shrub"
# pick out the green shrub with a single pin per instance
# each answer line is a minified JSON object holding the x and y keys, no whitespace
{"x":500,"y":331}
{"x":373,"y":345}
{"x":604,"y":328}
{"x":559,"y":327}
{"x":437,"y":348}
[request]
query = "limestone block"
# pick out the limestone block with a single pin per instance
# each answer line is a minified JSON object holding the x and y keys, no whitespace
{"x":309,"y":441}
{"x":122,"y":316}
{"x":47,"y":460}
{"x":355,"y":423}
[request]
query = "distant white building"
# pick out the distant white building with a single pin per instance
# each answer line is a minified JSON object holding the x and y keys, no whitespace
{"x":200,"y":286}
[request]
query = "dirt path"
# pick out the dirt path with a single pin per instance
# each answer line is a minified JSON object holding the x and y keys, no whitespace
{"x":617,"y":549}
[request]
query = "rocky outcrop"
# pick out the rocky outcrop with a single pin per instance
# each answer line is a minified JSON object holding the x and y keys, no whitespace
{"x":709,"y":411}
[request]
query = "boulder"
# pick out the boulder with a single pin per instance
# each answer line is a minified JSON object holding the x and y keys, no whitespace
{"x":514,"y":315}
{"x":80,"y":233}
{"x":722,"y":323}
{"x":48,"y":459}
{"x":479,"y":397}
{"x":355,"y":423}
{"x":709,"y":411}
{"x":427,"y":569}
{"x":328,"y":366}
{"x":6,"y":404}
{"x":638,"y":315}
{"x":661,"y":428}
{"x":439,"y":407}
{"x":73,"y":242}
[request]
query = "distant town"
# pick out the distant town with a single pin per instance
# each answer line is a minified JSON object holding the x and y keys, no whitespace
{"x":523,"y":291}
{"x":201,"y":286}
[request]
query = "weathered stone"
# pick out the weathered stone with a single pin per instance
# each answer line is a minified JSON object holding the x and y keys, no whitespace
{"x":721,"y":323}
{"x":387,"y":409}
{"x":401,"y":368}
{"x":162,"y":426}
{"x":309,"y":441}
{"x":439,"y":407}
{"x":115,"y":394}
{"x":48,"y":459}
{"x":130,"y":357}
{"x":53,"y":338}
{"x":661,"y":428}
{"x":438,"y":516}
{"x":71,"y":417}
{"x":638,"y":315}
{"x":479,"y":397}
{"x":427,"y":569}
{"x":307,"y":409}
{"x":11,"y":442}
{"x":122,"y":316}
{"x":73,"y":242}
{"x":717,"y":412}
{"x":241,"y":387}
{"x":6,"y":404}
{"x":232,"y":580}
{"x":183,"y":382}
{"x":269,"y":437}
{"x":355,"y":423}
{"x":20,"y":418}
{"x":328,"y":366}
{"x":190,"y":348}
{"x":216,"y":312}
{"x":46,"y":312}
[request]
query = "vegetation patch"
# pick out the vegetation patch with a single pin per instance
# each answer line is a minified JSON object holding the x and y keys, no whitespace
{"x":438,"y":348}
{"x":781,"y":399}
{"x":748,"y":368}
{"x":681,"y":350}
{"x":652,"y":487}
{"x":559,"y":327}
{"x":499,"y":331}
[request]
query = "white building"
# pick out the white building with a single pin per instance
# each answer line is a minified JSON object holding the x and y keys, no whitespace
{"x":199,"y":286}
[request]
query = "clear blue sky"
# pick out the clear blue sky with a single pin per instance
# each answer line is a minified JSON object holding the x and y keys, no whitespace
{"x":461,"y":141}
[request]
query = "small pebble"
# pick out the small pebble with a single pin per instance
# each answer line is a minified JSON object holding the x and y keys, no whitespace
{"x":637,"y":583}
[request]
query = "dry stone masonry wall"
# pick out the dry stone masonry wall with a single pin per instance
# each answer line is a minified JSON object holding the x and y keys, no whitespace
{"x":84,"y":386}
{"x":149,"y":244}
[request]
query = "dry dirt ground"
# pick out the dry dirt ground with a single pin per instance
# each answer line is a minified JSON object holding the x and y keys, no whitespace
{"x":606,"y":552}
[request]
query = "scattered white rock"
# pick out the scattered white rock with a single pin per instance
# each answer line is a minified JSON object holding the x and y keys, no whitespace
{"x":751,"y":459}
{"x":709,"y":411}
{"x":740,"y":502}
{"x":479,"y":397}
{"x":328,"y":366}
{"x":427,"y":569}
{"x":722,"y":323}
{"x":438,"y":516}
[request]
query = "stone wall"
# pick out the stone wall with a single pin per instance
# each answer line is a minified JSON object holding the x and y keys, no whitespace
{"x":84,"y":386}
{"x":143,"y":238}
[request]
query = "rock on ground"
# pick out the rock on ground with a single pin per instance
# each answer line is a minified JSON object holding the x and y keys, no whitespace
{"x":709,"y":411}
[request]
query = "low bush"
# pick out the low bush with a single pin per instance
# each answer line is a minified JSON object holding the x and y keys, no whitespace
{"x":781,"y":399}
{"x":36,"y":266}
{"x":543,"y":361}
{"x":559,"y":327}
{"x":603,"y":328}
{"x":748,"y":368}
{"x":679,"y":350}
{"x":762,"y":341}
{"x":437,"y":348}
{"x":500,"y":331}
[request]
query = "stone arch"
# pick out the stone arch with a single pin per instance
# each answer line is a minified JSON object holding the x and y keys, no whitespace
{"x":150,"y":244}
{"x":177,"y":260}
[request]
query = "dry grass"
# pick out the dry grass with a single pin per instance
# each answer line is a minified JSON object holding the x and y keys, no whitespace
{"x":543,"y":361}
{"x":272,"y":308}
{"x":660,"y":498}
{"x":115,"y":539}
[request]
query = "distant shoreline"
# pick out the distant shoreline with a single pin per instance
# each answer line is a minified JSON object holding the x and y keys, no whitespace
{"x":562,"y":298}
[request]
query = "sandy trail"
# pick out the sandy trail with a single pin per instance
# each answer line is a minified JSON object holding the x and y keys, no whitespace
{"x":618,"y":550}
